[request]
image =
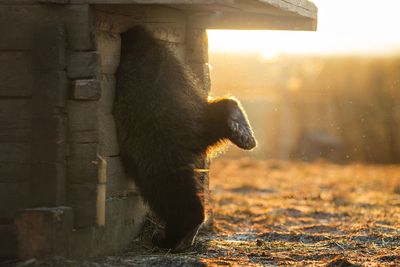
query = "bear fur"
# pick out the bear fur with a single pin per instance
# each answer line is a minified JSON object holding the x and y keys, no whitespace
{"x":166,"y":126}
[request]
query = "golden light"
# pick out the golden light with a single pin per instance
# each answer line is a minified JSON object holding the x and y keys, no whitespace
{"x":344,"y":27}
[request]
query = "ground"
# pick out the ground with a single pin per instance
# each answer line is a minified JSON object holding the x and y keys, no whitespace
{"x":271,"y":213}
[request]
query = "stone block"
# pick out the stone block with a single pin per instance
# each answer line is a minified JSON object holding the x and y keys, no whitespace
{"x":130,"y":209}
{"x":196,"y":46}
{"x":109,"y":47}
{"x":44,"y":232}
{"x":82,"y":121}
{"x":118,"y":184}
{"x":83,"y":164}
{"x":87,"y":89}
{"x":80,"y":26}
{"x":84,"y":200}
{"x":108,"y":143}
{"x":106,"y":102}
{"x":83,"y":65}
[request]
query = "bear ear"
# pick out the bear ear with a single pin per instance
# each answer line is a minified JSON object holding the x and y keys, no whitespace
{"x":239,"y":130}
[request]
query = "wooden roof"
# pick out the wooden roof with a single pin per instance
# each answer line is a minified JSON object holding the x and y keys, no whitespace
{"x":238,"y":14}
{"x":228,"y":14}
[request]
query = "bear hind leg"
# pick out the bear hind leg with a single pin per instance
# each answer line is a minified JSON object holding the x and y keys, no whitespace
{"x":177,"y":204}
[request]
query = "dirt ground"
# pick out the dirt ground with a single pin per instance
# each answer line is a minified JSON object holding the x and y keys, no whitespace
{"x":270,"y":213}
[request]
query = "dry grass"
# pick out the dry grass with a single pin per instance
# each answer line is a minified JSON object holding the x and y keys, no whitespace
{"x":298,"y":214}
{"x":270,"y":213}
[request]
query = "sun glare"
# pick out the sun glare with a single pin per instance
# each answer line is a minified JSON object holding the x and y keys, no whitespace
{"x":344,"y":27}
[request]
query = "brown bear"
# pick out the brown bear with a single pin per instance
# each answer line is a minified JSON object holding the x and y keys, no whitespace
{"x":166,"y":126}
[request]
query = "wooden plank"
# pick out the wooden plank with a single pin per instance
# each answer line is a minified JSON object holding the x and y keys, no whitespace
{"x":53,"y":1}
{"x":16,"y":25}
{"x":49,"y":129}
{"x":248,"y":21}
{"x":15,"y":172}
{"x":108,"y":145}
{"x":297,"y":7}
{"x":15,"y":152}
{"x":15,"y":73}
{"x":16,"y":22}
{"x":49,"y":124}
{"x":14,"y":117}
{"x":49,"y":151}
{"x":8,"y":241}
{"x":83,"y":121}
{"x":15,"y":130}
{"x":151,"y":1}
{"x":83,"y":164}
{"x":48,"y":47}
{"x":48,"y":53}
{"x":13,"y":198}
{"x":47,"y":187}
{"x":117,"y":1}
{"x":50,"y":92}
{"x":143,"y":13}
{"x":301,"y":7}
{"x":15,"y":109}
{"x":49,"y":139}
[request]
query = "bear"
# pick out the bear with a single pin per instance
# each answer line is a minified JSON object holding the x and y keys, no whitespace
{"x":166,"y":128}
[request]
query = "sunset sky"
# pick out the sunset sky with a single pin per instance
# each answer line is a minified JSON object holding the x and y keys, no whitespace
{"x":344,"y":27}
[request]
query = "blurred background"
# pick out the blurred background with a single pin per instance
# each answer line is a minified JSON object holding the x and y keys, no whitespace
{"x":333,"y":94}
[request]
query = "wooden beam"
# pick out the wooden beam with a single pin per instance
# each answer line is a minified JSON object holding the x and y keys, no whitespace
{"x":302,"y":7}
{"x":233,"y":20}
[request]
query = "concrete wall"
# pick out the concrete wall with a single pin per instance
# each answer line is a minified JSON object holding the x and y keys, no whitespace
{"x":61,"y":178}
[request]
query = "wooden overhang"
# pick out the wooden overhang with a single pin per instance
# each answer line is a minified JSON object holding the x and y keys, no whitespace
{"x":236,"y":14}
